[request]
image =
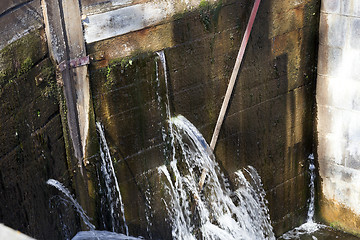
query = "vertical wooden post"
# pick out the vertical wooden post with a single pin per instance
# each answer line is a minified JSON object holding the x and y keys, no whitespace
{"x":67,"y":45}
{"x":80,"y":81}
{"x":59,"y":52}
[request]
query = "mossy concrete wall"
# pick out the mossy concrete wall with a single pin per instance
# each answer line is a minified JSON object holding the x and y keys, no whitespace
{"x":34,"y":139}
{"x":270,"y":121}
{"x":32,"y":147}
{"x":338,"y":114}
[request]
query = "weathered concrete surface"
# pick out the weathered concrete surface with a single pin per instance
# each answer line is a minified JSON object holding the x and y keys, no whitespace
{"x":269,"y":124}
{"x":338,"y":113}
{"x":32,"y":147}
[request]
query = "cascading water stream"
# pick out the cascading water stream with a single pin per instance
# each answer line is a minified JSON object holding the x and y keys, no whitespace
{"x":310,"y":226}
{"x":112,"y":189}
{"x":311,"y":210}
{"x":113,"y":197}
{"x":79,"y":209}
{"x":217,"y":212}
{"x":161,"y":55}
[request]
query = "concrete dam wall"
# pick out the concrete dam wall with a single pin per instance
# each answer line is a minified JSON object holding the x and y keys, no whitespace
{"x":338,"y":113}
{"x":50,"y":102}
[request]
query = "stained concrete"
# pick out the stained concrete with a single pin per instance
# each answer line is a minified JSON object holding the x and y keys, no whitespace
{"x":269,"y":123}
{"x":32,"y":143}
{"x":338,"y":113}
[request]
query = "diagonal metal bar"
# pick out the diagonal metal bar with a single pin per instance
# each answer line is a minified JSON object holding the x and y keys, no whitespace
{"x":231,"y":85}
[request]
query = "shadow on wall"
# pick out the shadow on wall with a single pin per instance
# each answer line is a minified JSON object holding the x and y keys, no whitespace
{"x":268,"y":125}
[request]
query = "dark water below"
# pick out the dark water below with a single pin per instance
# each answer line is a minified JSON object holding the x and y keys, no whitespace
{"x":325,"y":233}
{"x":328,"y":234}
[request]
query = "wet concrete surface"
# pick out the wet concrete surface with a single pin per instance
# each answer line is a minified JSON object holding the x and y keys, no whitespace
{"x":324,"y":233}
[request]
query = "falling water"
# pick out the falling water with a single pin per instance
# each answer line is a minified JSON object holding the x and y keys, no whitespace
{"x":217,"y":212}
{"x":310,"y":226}
{"x":112,"y":188}
{"x":161,"y":55}
{"x":311,"y":210}
{"x":77,"y":206}
{"x":168,"y":139}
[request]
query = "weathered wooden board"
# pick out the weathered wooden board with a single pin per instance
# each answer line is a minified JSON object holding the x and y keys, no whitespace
{"x":7,"y":5}
{"x":132,"y":18}
{"x":20,"y":22}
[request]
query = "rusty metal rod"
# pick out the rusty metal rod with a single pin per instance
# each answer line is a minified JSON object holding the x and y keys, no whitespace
{"x":231,"y":85}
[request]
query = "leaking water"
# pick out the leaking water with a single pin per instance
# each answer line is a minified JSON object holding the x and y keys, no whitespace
{"x":113,"y":199}
{"x":112,"y":189}
{"x":217,"y":212}
{"x":310,"y":226}
{"x":77,"y":206}
{"x":311,"y":210}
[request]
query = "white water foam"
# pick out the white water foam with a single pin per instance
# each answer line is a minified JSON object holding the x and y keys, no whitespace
{"x":310,"y":226}
{"x":217,"y":212}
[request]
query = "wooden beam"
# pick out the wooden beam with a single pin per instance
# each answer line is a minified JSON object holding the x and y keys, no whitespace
{"x":66,"y":42}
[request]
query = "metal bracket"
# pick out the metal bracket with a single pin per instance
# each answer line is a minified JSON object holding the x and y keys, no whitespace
{"x":74,"y":63}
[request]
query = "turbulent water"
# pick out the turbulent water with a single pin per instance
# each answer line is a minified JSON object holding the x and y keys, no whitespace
{"x":216,"y":212}
{"x":102,"y":235}
{"x":77,"y":206}
{"x":112,"y":190}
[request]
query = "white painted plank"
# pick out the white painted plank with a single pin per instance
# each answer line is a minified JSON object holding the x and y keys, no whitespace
{"x":132,"y":18}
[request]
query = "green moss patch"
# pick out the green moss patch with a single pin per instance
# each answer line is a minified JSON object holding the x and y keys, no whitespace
{"x":20,"y":56}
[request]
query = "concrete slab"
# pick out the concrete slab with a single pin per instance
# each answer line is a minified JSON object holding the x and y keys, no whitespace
{"x":10,"y":234}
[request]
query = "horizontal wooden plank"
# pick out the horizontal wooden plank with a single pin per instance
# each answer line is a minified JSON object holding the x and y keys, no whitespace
{"x":132,"y":18}
{"x":6,"y":5}
{"x":20,"y":22}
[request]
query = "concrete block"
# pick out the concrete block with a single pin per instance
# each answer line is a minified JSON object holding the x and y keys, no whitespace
{"x":330,"y":6}
{"x":353,"y":162}
{"x":329,"y":60}
{"x":355,"y":33}
{"x":341,"y":185}
{"x":338,"y":92}
{"x":287,"y":21}
{"x":330,"y":148}
{"x":333,"y":29}
{"x":350,"y":8}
